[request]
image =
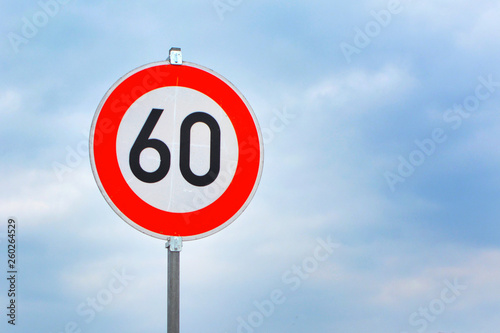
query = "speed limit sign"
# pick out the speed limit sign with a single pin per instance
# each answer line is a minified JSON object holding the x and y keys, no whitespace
{"x":176,"y":150}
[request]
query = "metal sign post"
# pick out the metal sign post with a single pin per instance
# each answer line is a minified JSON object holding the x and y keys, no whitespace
{"x":165,"y":137}
{"x":174,"y":246}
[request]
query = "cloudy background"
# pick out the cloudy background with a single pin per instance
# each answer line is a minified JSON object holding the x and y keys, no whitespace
{"x":387,"y":146}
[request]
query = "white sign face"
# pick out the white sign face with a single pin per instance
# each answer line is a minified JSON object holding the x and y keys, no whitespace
{"x":176,"y":150}
{"x":173,"y":192}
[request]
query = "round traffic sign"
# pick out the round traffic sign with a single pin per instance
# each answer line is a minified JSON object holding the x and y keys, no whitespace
{"x":176,"y":150}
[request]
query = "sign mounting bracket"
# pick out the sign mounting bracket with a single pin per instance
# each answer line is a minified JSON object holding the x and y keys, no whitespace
{"x":175,"y":56}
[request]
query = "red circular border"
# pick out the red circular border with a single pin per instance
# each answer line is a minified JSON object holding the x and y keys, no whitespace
{"x":133,"y":209}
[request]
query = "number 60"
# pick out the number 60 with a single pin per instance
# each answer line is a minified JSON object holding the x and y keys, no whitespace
{"x":143,"y":141}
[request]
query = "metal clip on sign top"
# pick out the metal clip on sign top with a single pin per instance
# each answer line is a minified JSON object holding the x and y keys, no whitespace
{"x":175,"y":56}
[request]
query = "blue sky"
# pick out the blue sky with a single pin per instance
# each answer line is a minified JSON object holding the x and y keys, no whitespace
{"x":388,"y":153}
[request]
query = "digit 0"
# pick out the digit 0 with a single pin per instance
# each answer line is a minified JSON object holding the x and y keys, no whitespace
{"x":185,"y":153}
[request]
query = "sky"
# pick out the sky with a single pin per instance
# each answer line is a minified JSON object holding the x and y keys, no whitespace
{"x":379,"y":201}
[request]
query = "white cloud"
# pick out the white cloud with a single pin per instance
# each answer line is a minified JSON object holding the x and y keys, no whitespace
{"x":484,"y":31}
{"x":477,"y":269}
{"x":37,"y":198}
{"x":445,"y":14}
{"x":361,"y":91}
{"x":10,"y":102}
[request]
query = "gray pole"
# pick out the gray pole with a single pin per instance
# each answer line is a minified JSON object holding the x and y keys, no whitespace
{"x":174,"y":246}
